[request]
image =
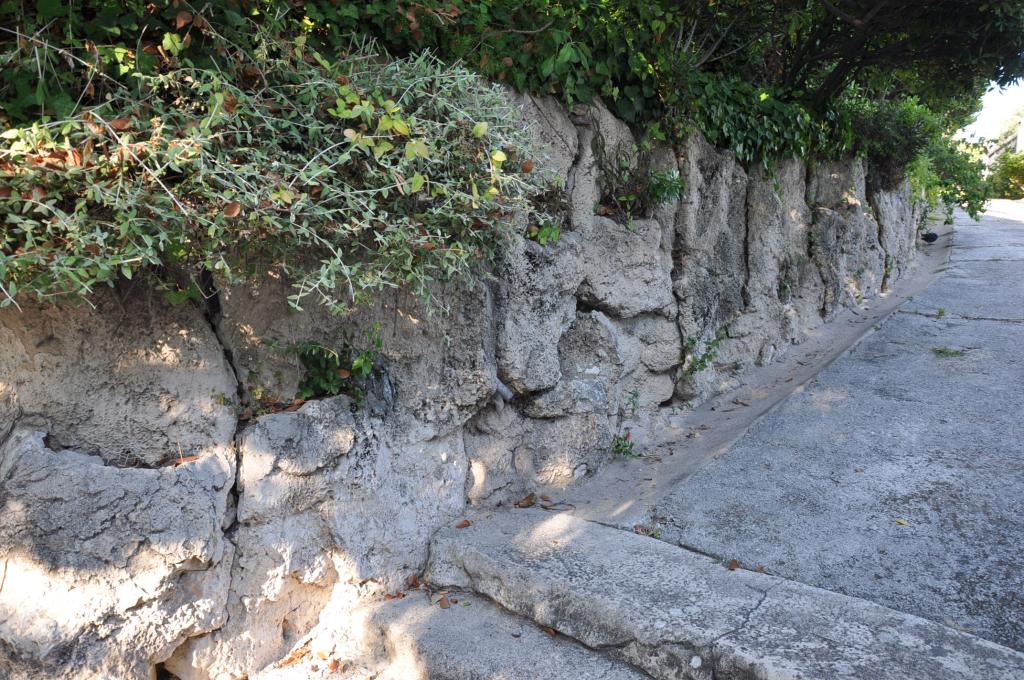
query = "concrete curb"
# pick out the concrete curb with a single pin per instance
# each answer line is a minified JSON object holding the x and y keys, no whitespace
{"x":677,"y":614}
{"x":475,"y":640}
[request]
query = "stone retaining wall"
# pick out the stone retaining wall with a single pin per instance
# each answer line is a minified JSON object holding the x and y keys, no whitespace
{"x":143,"y":522}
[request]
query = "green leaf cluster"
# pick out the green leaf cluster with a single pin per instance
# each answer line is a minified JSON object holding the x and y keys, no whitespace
{"x":330,"y":372}
{"x":949,"y":174}
{"x":239,"y":135}
{"x":346,"y":177}
{"x":1007,"y":178}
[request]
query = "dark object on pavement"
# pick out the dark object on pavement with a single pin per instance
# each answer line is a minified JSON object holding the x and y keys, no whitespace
{"x":929,"y":237}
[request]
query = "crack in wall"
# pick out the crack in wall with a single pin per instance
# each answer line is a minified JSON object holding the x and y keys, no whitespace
{"x":10,"y":429}
{"x":212,"y":311}
{"x":883,"y":287}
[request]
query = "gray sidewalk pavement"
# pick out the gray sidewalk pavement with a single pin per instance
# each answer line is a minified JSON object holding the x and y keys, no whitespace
{"x":897,"y":475}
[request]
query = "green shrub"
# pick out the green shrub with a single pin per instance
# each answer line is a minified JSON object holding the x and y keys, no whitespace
{"x":160,"y":138}
{"x":756,"y":125}
{"x":959,"y":176}
{"x":1007,"y":178}
{"x":631,"y":188}
{"x":891,"y":134}
{"x":346,"y":177}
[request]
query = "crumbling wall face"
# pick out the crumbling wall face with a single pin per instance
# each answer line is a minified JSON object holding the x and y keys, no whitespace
{"x":152,"y":513}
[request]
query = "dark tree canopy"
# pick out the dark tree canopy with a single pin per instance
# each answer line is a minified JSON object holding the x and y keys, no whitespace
{"x":948,"y":44}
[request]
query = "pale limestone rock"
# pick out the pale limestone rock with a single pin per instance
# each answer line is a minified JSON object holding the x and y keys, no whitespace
{"x":107,"y":570}
{"x":328,"y":500}
{"x":626,"y":267}
{"x":710,"y":245}
{"x":897,"y":218}
{"x":135,"y":381}
{"x":438,"y":362}
{"x":535,"y":306}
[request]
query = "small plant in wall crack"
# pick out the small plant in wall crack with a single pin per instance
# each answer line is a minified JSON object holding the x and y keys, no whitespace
{"x":650,"y":529}
{"x":330,"y":372}
{"x":633,"y":189}
{"x":785,"y":292}
{"x":622,"y":445}
{"x":703,"y":361}
{"x":544,"y":233}
{"x":633,"y":402}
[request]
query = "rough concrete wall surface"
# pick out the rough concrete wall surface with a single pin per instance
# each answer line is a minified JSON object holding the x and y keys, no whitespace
{"x":147,"y":519}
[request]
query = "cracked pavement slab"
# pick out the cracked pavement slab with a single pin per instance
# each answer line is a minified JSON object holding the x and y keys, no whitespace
{"x":896,"y":475}
{"x":677,"y":614}
{"x":474,"y":640}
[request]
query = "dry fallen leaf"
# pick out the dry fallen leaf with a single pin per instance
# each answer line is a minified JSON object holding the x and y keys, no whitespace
{"x":233,"y":209}
{"x":333,"y":665}
{"x":734,"y":565}
{"x":437,"y":597}
{"x":527,"y":166}
{"x":463,"y":524}
{"x":294,"y":406}
{"x":413,"y":581}
{"x":343,"y":373}
{"x":121,"y":124}
{"x":443,"y":603}
{"x":295,"y":657}
{"x":182,"y":20}
{"x":525,"y":501}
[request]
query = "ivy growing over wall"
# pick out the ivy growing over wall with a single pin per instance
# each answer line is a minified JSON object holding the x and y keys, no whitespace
{"x":148,"y":138}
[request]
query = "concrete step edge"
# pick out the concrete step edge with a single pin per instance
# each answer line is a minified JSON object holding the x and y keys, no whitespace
{"x":677,"y":614}
{"x":473,"y":639}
